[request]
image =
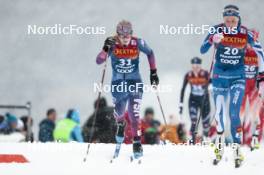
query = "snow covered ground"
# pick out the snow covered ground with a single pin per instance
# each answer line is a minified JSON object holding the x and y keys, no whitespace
{"x":67,"y":158}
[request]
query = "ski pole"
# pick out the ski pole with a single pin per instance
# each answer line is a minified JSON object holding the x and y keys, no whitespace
{"x":96,"y":110}
{"x":160,"y":105}
{"x":204,"y":97}
{"x":161,"y":109}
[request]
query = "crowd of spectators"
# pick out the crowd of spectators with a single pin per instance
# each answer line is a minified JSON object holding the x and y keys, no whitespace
{"x":99,"y":129}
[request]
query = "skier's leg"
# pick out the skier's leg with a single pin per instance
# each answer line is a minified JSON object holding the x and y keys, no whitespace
{"x":120,"y":102}
{"x":255,"y":103}
{"x":243,"y":106}
{"x":236,"y":96}
{"x":220,"y":98}
{"x":193,"y":112}
{"x":134,"y":104}
{"x":261,"y":119}
{"x":134,"y":114}
{"x":205,"y":112}
{"x":243,"y":114}
{"x":245,"y":117}
{"x":220,"y":93}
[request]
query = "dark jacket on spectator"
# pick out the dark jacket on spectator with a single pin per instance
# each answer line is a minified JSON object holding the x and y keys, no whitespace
{"x":105,"y":125}
{"x":46,"y":128}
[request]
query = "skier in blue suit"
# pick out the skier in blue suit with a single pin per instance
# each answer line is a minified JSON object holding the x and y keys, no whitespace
{"x":229,"y":40}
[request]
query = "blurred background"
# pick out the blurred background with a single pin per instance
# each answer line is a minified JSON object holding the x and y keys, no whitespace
{"x":59,"y":71}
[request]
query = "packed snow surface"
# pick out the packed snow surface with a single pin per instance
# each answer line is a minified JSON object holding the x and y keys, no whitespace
{"x":67,"y":158}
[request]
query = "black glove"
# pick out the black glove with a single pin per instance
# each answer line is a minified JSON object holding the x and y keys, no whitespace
{"x":260,"y":78}
{"x":109,"y":42}
{"x":180,"y":108}
{"x":154,"y":79}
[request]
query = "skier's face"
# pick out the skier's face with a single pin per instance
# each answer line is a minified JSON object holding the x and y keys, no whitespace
{"x":196,"y":67}
{"x":231,"y":21}
{"x":124,"y":39}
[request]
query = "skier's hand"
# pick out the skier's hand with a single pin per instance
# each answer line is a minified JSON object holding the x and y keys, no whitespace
{"x":217,"y":38}
{"x":180,"y":108}
{"x":154,"y":79}
{"x":109,"y":42}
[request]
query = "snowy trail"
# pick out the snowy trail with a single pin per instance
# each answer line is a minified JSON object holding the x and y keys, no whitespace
{"x":61,"y":158}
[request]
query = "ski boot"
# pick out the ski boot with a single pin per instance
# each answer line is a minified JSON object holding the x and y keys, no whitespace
{"x":219,"y":148}
{"x":254,"y":143}
{"x":192,"y":140}
{"x":120,"y":133}
{"x":137,"y":148}
{"x":238,"y":157}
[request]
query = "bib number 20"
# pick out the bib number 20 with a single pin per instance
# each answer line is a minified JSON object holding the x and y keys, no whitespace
{"x":231,"y":51}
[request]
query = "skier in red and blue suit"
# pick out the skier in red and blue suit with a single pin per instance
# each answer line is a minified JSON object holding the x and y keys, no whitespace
{"x":124,"y":50}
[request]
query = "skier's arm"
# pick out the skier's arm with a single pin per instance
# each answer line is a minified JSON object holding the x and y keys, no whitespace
{"x":108,"y":44}
{"x":260,"y":78}
{"x":260,"y":53}
{"x":255,"y":44}
{"x":154,"y":79}
{"x":250,"y":37}
{"x":142,"y":45}
{"x":77,"y":134}
{"x":206,"y":44}
{"x":101,"y":57}
{"x":259,"y":50}
{"x":185,"y":82}
{"x":212,"y":38}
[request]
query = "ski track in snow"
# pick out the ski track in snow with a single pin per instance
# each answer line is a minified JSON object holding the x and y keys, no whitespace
{"x":64,"y":159}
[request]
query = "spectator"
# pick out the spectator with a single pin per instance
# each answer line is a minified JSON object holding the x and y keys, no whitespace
{"x":27,"y":127}
{"x":181,"y":131}
{"x":150,"y":128}
{"x":68,"y":129}
{"x":9,"y":124}
{"x":47,"y":126}
{"x":174,"y":132}
{"x":2,"y":122}
{"x":105,"y":124}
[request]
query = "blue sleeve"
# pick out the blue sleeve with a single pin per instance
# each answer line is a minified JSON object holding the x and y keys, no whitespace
{"x":142,"y":45}
{"x":77,"y":134}
{"x":206,"y":44}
